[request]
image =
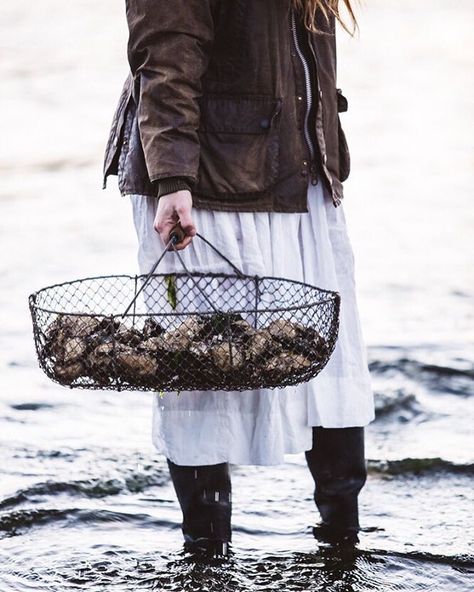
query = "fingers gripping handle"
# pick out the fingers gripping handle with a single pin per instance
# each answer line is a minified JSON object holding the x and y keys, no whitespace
{"x":177,"y":234}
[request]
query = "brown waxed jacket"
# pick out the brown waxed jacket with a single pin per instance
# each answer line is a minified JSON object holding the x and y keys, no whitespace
{"x":216,"y":94}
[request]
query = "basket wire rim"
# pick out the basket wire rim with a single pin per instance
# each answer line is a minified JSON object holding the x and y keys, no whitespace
{"x":331,"y":295}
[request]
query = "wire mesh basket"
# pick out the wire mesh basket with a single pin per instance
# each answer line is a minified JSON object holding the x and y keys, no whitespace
{"x":183,"y":331}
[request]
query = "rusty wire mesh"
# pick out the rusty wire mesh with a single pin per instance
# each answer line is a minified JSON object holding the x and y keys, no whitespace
{"x":185,"y":331}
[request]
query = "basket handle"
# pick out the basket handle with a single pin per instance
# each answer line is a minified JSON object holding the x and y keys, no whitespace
{"x":176,"y":236}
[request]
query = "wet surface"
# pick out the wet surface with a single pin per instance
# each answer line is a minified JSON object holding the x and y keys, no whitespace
{"x":85,"y":502}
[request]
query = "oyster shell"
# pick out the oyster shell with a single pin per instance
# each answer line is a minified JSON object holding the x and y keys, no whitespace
{"x":69,"y":372}
{"x":152,"y":344}
{"x":87,"y":328}
{"x":227,"y":356}
{"x":152,"y":328}
{"x":128,"y":336}
{"x":70,"y":325}
{"x":193,"y":327}
{"x":242,"y":328}
{"x":74,"y":349}
{"x":284,"y":330}
{"x":175,"y":340}
{"x":199,"y":349}
{"x":101,"y":355}
{"x":199,"y":355}
{"x":298,"y":338}
{"x":285,"y":364}
{"x":261,"y":343}
{"x":136,"y":363}
{"x":221,"y":323}
{"x":100,"y":362}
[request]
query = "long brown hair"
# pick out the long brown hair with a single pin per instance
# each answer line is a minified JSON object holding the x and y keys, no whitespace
{"x":309,"y":8}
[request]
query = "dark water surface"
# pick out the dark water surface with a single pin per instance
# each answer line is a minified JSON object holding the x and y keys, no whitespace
{"x":85,"y":502}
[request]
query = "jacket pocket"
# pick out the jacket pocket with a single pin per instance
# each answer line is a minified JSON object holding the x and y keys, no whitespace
{"x":112,"y":150}
{"x":239,"y":143}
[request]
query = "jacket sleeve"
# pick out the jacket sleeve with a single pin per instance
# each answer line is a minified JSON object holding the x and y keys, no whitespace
{"x":168,"y":185}
{"x":168,"y":51}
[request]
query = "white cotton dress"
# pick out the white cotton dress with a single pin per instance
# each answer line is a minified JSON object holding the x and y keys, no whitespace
{"x":258,"y":427}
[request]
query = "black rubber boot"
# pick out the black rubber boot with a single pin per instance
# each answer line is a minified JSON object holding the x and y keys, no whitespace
{"x":204,"y":494}
{"x":337,"y":464}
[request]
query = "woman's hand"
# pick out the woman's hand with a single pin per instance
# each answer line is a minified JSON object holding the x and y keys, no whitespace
{"x":173,"y":208}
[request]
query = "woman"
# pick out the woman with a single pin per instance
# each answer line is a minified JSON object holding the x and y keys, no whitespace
{"x":228,"y":123}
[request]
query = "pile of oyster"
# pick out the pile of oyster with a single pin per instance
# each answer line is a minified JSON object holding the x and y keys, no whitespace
{"x":200,"y":350}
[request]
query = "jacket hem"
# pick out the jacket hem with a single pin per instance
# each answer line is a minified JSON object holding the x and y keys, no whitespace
{"x":265,"y":203}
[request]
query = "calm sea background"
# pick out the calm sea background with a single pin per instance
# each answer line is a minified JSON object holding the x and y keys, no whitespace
{"x":85,"y":502}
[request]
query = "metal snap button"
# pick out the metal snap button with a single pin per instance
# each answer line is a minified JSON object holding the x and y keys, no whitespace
{"x":299,"y":97}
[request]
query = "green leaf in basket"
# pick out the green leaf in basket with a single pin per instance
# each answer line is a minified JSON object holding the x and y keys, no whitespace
{"x":171,"y":289}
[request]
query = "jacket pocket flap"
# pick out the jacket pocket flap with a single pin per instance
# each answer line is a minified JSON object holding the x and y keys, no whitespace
{"x":242,"y":114}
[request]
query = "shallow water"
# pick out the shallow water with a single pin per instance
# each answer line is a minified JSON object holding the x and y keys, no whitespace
{"x":84,"y":500}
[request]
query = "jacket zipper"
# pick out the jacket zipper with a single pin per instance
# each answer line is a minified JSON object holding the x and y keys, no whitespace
{"x":309,"y":99}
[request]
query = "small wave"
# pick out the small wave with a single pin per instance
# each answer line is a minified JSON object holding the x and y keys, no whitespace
{"x":464,"y":562}
{"x":91,"y":488}
{"x":397,"y":401}
{"x":416,"y":466}
{"x":15,"y":523}
{"x":31,"y":406}
{"x":439,"y":378}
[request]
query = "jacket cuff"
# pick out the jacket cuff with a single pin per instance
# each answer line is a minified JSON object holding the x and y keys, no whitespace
{"x":172,"y":184}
